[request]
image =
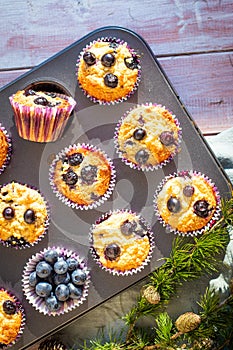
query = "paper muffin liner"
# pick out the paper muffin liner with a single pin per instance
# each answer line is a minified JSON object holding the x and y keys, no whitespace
{"x":213,"y":219}
{"x":9,"y":152}
{"x":41,"y":124}
{"x":146,"y":167}
{"x":23,"y":245}
{"x":96,"y":203}
{"x":38,"y":302}
{"x":134,"y":54}
{"x":115,"y":271}
{"x":19,"y":308}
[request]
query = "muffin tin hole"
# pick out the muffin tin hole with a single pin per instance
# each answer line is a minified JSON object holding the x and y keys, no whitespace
{"x":47,"y":86}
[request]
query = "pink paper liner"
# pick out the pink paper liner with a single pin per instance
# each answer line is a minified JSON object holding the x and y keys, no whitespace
{"x":46,"y":224}
{"x":123,"y":98}
{"x":112,"y":270}
{"x":41,"y":124}
{"x":66,"y":200}
{"x":215,"y":216}
{"x":9,"y":153}
{"x":147,"y":167}
{"x":38,"y":302}
{"x":20,"y":308}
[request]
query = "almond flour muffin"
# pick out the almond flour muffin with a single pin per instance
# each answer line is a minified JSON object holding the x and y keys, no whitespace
{"x":23,"y":215}
{"x":5,"y":148}
{"x":41,"y":116}
{"x":82,"y":176}
{"x":121,"y":242}
{"x":12,"y":319}
{"x":147,"y":137}
{"x":108,"y":70}
{"x":187,"y":203}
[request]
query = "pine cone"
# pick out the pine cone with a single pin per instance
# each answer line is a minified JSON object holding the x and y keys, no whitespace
{"x":151,"y":295}
{"x":52,"y":345}
{"x":187,"y":322}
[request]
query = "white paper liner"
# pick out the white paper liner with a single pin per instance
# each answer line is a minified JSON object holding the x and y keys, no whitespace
{"x":66,"y":200}
{"x":46,"y":223}
{"x":123,"y":98}
{"x":212,"y":220}
{"x":9,"y":153}
{"x":115,"y":271}
{"x":38,"y":302}
{"x":146,"y":167}
{"x":20,"y":308}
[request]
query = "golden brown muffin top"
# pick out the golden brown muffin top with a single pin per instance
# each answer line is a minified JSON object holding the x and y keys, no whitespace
{"x":4,"y":147}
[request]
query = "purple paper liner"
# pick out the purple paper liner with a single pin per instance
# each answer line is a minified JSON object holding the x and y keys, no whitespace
{"x":19,"y":308}
{"x":38,"y":302}
{"x":147,"y":167}
{"x":9,"y":152}
{"x":46,"y":223}
{"x":65,"y":199}
{"x":41,"y":124}
{"x":210,"y":223}
{"x":113,"y":270}
{"x":123,"y":98}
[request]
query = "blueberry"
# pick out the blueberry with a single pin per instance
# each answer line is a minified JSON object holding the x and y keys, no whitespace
{"x":62,"y":292}
{"x":29,"y":216}
{"x":43,"y":269}
{"x":89,"y":58}
{"x":51,"y":256}
{"x":128,"y":227}
{"x":139,"y":134}
{"x":60,"y":266}
{"x":142,"y":156}
{"x":112,"y":251}
{"x":78,"y":277}
{"x":201,"y":208}
{"x":52,"y":303}
{"x":173,"y":205}
{"x":72,"y":263}
{"x":61,"y":278}
{"x":51,"y":94}
{"x":89,"y":173}
{"x":111,"y":80}
{"x":41,"y":101}
{"x":131,"y":62}
{"x":70,"y":177}
{"x":166,"y":138}
{"x":33,"y":279}
{"x":8,"y":213}
{"x":29,"y":92}
{"x":43,"y":289}
{"x":75,"y":292}
{"x":188,"y":191}
{"x":75,"y":159}
{"x":9,"y":307}
{"x":108,"y":60}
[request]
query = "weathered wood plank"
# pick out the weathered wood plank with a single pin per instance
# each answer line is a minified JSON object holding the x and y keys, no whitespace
{"x":203,"y":82}
{"x":31,"y":31}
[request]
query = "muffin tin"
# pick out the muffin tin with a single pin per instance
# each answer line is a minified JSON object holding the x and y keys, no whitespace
{"x":95,"y":124}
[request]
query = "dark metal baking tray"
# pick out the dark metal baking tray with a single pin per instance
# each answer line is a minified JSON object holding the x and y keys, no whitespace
{"x":95,"y":124}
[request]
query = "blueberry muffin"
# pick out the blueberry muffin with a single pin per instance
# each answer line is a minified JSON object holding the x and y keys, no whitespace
{"x":108,"y":70}
{"x":147,"y":137}
{"x":82,"y":176}
{"x":5,"y":148}
{"x":12,"y":318}
{"x":41,"y":116}
{"x":55,"y":281}
{"x":187,"y":203}
{"x":23,"y":215}
{"x":121,"y":242}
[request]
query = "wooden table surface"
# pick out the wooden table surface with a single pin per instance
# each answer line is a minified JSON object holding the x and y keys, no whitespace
{"x":192,"y":39}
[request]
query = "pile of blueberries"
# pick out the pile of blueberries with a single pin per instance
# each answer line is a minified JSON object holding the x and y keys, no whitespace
{"x":58,"y":278}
